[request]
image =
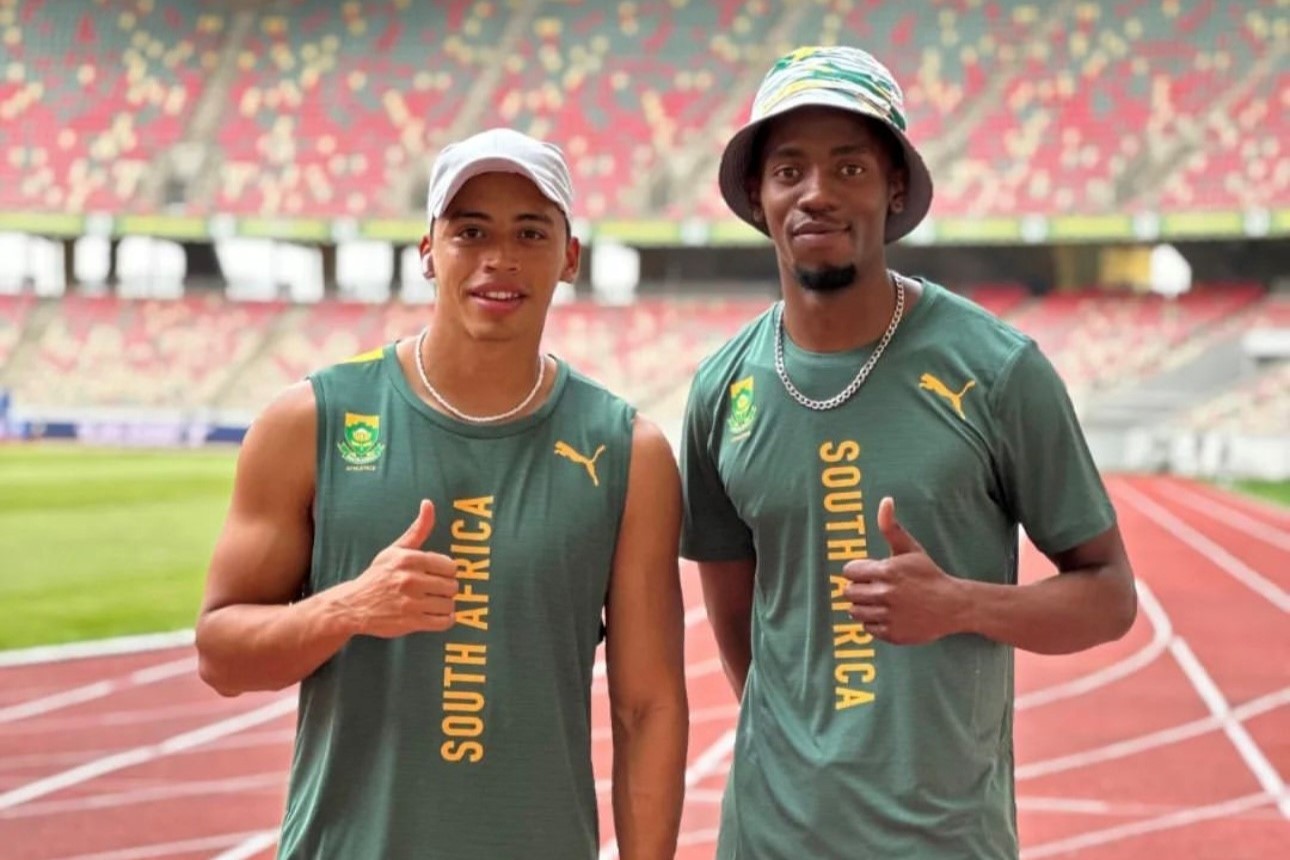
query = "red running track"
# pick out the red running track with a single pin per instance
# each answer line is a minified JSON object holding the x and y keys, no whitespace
{"x":1171,"y":743}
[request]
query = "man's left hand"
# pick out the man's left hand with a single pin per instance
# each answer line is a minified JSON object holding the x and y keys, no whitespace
{"x":905,"y":599}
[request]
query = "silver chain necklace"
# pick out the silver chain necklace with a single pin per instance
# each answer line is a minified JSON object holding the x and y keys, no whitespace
{"x":474,"y":419}
{"x":846,"y":393}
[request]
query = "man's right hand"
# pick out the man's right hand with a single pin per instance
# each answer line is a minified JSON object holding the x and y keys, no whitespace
{"x":405,"y":589}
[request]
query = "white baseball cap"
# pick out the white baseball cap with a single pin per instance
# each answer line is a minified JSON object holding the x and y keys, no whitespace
{"x":499,"y":150}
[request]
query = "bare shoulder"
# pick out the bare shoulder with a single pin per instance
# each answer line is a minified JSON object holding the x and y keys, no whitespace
{"x":277,"y":454}
{"x":649,"y":540}
{"x":293,"y":409}
{"x":650,"y":444}
{"x":653,"y":480}
{"x":262,"y":553}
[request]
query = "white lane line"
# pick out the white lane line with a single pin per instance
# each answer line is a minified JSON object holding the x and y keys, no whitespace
{"x":251,"y":846}
{"x":143,"y":754}
{"x":1151,"y":740}
{"x":163,"y":792}
{"x":61,"y":725}
{"x":113,"y":647}
{"x":1218,"y":705}
{"x":711,"y":759}
{"x":248,"y":740}
{"x":97,"y":690}
{"x":1089,"y":806}
{"x":710,"y":796}
{"x":1228,"y":563}
{"x":1215,"y":509}
{"x":1220,"y":710}
{"x":716,"y":712}
{"x":1244,"y":502}
{"x":697,"y":837}
{"x":1161,"y":632}
{"x":167,"y":849}
{"x":707,"y":763}
{"x":697,"y":717}
{"x":1169,"y":821}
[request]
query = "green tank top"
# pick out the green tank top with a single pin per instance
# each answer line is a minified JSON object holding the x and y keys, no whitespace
{"x":475,"y":742}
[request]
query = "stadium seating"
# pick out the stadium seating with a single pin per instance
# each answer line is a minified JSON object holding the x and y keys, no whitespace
{"x":332,"y":100}
{"x":1244,"y":156}
{"x":943,"y":54}
{"x":157,"y":353}
{"x":1228,"y":96}
{"x":640,"y":350}
{"x":621,"y":86}
{"x":92,"y":93}
{"x":312,"y":337}
{"x":1002,"y":300}
{"x":1072,"y":117}
{"x":104,"y":351}
{"x":647,"y":348}
{"x":1259,"y":406}
{"x":206,"y":352}
{"x":13,"y":316}
{"x":1101,"y":339}
{"x":333,"y":108}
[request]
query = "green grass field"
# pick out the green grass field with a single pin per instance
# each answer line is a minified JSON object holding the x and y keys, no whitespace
{"x":1272,"y":491}
{"x":100,"y":542}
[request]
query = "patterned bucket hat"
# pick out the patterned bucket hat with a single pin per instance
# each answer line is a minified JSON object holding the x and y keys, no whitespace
{"x":837,"y":77}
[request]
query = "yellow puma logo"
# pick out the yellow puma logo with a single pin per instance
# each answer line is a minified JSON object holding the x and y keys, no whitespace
{"x":940,"y":389}
{"x":564,"y":449}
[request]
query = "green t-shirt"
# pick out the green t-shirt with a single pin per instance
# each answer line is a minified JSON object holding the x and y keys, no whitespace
{"x":474,"y":742}
{"x":848,"y":746}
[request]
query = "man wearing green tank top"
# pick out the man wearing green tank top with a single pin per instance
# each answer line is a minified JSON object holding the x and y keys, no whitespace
{"x":856,"y":464}
{"x":446,"y":666}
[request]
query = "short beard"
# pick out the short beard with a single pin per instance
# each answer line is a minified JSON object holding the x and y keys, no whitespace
{"x":829,"y":279}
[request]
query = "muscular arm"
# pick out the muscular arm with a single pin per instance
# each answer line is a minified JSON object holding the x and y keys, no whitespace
{"x":907,"y":599}
{"x":250,"y":636}
{"x":644,"y":650}
{"x":1052,"y":487}
{"x":254,"y":632}
{"x":1090,"y":600}
{"x":728,"y":597}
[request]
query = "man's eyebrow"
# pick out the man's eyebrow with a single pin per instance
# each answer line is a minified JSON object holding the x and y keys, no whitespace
{"x":852,"y":149}
{"x":789,"y":150}
{"x":472,"y":214}
{"x":540,"y":217}
{"x":463,"y":214}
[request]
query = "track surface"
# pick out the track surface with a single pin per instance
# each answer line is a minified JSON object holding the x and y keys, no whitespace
{"x":1172,"y":743}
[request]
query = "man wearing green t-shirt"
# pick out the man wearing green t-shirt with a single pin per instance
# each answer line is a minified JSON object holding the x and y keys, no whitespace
{"x":856,"y":464}
{"x":425,"y":537}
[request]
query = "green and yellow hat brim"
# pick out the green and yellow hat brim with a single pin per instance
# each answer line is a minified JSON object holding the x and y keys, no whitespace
{"x":846,"y":79}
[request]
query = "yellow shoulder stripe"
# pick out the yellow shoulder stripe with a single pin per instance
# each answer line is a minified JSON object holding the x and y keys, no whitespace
{"x":363,"y":357}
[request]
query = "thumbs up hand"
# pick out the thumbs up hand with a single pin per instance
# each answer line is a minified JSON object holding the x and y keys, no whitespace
{"x":405,"y":589}
{"x":900,"y":541}
{"x":904,"y":599}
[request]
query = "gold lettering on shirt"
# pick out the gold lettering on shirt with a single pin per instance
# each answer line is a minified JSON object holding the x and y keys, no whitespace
{"x":854,"y":661}
{"x":465,"y":663}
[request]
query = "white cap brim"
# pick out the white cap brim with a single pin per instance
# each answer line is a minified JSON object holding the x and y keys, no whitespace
{"x":499,"y":151}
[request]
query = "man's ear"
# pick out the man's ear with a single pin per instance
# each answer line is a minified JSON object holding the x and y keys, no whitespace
{"x":753,"y":187}
{"x":897,"y":186}
{"x":427,"y":261}
{"x":572,"y":260}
